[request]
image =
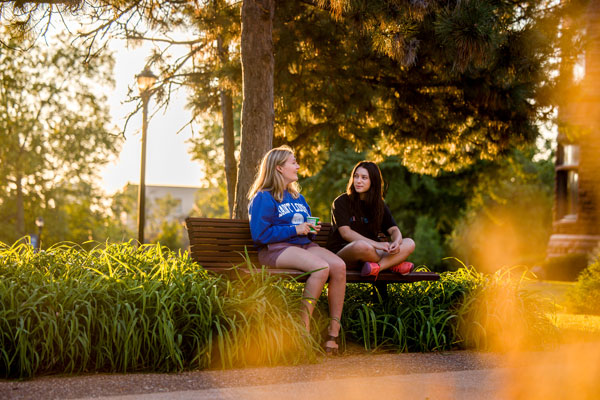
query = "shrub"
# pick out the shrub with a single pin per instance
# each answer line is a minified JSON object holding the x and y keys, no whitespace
{"x":584,"y":297}
{"x":119,"y":308}
{"x":564,"y":268}
{"x":428,"y":250}
{"x":464,"y":310}
{"x":500,"y":315}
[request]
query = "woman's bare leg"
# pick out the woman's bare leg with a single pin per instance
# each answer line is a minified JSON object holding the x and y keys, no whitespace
{"x":389,"y":260}
{"x":336,"y":289}
{"x":359,"y":252}
{"x":304,"y":260}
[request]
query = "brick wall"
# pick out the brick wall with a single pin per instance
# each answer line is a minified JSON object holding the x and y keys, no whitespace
{"x":583,"y":233}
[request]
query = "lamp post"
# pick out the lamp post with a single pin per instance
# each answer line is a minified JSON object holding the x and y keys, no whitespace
{"x":39,"y":222}
{"x":145,"y":81}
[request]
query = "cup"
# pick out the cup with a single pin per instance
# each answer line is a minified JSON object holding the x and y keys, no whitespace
{"x":314,"y":221}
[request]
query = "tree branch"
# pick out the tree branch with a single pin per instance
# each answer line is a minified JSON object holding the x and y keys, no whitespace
{"x":162,"y":40}
{"x":21,"y":3}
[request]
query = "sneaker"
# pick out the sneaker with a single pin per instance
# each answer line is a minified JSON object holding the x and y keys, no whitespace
{"x":404,"y":268}
{"x":370,"y":269}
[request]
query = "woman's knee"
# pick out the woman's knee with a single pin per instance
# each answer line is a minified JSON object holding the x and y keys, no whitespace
{"x":337,"y":268}
{"x":409,"y":244}
{"x":362,"y":246}
{"x":321,"y":271}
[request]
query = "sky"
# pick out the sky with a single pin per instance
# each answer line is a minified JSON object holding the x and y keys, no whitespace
{"x":167,"y":158}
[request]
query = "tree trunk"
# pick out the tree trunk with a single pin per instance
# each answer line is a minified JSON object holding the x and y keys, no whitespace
{"x":20,"y":206}
{"x":258,"y":113}
{"x":228,"y":135}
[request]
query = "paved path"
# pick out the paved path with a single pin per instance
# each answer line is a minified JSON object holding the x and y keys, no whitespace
{"x":568,"y":372}
{"x":496,"y":383}
{"x":442,"y":385}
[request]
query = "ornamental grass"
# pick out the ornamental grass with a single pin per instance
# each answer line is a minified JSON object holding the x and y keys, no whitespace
{"x":124,"y":308}
{"x":119,"y":308}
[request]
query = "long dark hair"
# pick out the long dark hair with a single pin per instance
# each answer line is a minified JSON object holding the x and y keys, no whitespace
{"x":373,"y":197}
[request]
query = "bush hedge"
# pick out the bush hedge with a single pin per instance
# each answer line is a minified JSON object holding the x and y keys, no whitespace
{"x":119,"y":308}
{"x":584,"y":297}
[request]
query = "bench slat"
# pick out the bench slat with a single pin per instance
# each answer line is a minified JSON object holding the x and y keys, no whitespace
{"x":351,"y":275}
{"x":223,"y":247}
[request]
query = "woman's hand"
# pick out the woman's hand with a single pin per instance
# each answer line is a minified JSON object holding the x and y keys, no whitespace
{"x":385,"y":246}
{"x":317,"y":227}
{"x":395,"y":246}
{"x":303,"y":228}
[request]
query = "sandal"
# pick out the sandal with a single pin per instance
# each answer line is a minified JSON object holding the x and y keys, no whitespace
{"x":370,"y":269}
{"x":330,"y":350}
{"x":404,"y":268}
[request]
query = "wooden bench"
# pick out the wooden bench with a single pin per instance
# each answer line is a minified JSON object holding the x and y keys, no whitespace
{"x":219,"y":245}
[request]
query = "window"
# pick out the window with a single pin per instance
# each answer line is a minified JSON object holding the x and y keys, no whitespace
{"x":579,"y":68}
{"x":567,"y":181}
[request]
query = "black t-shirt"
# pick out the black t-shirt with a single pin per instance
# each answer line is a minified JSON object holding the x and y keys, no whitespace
{"x":341,"y":215}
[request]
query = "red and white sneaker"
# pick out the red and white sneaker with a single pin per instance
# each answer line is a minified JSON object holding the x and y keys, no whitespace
{"x":404,"y":268}
{"x":370,"y":269}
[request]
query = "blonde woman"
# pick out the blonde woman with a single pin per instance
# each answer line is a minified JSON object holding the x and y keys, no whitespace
{"x":278,"y":223}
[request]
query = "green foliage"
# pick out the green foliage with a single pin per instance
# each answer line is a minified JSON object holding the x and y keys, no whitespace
{"x":54,"y":131}
{"x":440,"y":86}
{"x":163,"y":225}
{"x":508,"y":217}
{"x":465,"y":310}
{"x":429,"y":250}
{"x":493,"y":214}
{"x":500,"y":314}
{"x":584,"y":297}
{"x":120,"y":308}
{"x":211,"y":202}
{"x":170,"y":235}
{"x":207,"y":146}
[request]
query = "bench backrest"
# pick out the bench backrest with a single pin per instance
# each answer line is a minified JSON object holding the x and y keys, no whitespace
{"x":221,"y":243}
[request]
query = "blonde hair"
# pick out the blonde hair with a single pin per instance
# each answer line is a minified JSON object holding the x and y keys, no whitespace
{"x":269,"y":178}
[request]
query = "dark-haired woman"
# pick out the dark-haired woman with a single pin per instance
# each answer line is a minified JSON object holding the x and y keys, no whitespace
{"x":358,"y":217}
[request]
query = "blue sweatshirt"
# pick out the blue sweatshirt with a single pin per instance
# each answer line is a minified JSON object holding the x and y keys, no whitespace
{"x":272,"y":222}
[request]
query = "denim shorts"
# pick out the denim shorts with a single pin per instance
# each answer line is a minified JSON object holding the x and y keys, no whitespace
{"x":268,"y":255}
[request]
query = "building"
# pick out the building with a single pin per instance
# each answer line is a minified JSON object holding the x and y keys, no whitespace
{"x":163,"y":203}
{"x":576,"y":220}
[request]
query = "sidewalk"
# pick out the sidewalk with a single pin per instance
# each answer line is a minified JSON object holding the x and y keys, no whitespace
{"x":444,"y":385}
{"x":569,"y":372}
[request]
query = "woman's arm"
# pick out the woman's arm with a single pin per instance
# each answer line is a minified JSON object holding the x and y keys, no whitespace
{"x":396,"y":236}
{"x":263,"y":213}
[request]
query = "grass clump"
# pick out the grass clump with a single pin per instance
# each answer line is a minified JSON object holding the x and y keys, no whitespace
{"x":584,"y":296}
{"x":501,"y":314}
{"x":463,"y":310}
{"x":119,"y":308}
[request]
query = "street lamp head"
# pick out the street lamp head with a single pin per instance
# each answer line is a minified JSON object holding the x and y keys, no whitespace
{"x":39,"y":222}
{"x":145,"y":80}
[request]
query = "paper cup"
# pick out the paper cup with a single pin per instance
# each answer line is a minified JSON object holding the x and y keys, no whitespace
{"x":314,"y":221}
